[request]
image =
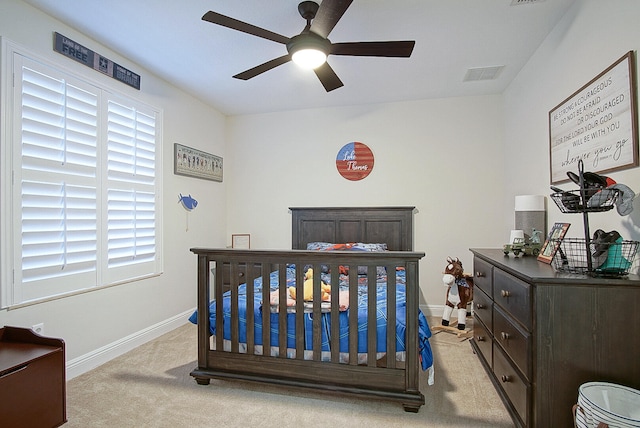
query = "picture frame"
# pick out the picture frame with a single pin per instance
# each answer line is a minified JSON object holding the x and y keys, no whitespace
{"x":241,"y":241}
{"x":552,"y":243}
{"x":195,"y":163}
{"x":597,"y":124}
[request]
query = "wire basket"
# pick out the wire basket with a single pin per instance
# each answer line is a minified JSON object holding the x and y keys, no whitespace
{"x":598,"y":200}
{"x":608,"y":260}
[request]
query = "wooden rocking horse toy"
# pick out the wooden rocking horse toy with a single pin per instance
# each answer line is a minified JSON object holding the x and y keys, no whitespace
{"x":459,"y":295}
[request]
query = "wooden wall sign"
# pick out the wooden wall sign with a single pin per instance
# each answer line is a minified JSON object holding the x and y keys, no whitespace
{"x":67,"y":47}
{"x":597,"y":124}
{"x":354,"y":161}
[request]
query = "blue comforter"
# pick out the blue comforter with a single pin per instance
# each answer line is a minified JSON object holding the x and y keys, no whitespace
{"x":424,"y":332}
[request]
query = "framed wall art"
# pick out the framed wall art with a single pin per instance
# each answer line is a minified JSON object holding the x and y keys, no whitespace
{"x":241,"y":241}
{"x":196,"y":163}
{"x":551,"y":245}
{"x":597,"y":124}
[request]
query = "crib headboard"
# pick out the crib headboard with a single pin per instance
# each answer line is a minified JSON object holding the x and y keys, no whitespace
{"x":390,"y":225}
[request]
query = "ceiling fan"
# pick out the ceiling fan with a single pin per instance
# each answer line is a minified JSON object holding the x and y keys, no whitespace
{"x":313,"y":42}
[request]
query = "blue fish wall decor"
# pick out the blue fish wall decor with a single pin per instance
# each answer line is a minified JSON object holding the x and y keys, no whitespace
{"x":187,"y":202}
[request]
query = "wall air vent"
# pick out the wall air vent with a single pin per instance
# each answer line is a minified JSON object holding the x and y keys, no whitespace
{"x":517,"y":2}
{"x":483,"y":73}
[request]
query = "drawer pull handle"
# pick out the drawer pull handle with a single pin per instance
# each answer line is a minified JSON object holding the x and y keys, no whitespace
{"x":241,"y":274}
{"x":505,"y":378}
{"x":480,"y":274}
{"x":480,"y":338}
{"x":505,"y":293}
{"x":505,"y":336}
{"x":480,"y":306}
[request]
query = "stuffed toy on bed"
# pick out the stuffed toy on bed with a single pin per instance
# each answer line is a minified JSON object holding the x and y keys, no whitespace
{"x":308,"y":288}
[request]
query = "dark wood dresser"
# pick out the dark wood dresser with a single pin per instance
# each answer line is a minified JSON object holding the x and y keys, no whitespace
{"x":540,"y":334}
{"x":32,"y":380}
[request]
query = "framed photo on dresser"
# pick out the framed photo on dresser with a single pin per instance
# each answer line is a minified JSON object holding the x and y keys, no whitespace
{"x":551,"y":245}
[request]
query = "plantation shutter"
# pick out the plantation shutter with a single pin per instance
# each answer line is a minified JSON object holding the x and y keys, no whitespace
{"x":85,"y":186}
{"x":131,"y":198}
{"x":56,"y":181}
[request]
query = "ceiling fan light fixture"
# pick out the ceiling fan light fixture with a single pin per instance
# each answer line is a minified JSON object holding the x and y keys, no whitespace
{"x":309,"y":58}
{"x":308,"y":50}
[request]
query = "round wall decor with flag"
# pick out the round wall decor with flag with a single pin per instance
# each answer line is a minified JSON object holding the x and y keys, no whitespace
{"x":354,"y":161}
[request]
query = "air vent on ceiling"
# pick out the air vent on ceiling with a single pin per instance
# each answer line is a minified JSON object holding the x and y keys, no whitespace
{"x":483,"y":73}
{"x":517,"y":2}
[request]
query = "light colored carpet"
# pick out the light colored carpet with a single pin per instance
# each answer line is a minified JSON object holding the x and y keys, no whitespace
{"x":151,"y":387}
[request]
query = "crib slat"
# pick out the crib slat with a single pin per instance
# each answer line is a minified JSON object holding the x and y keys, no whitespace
{"x":335,"y":313}
{"x":300,"y":345}
{"x":219,"y":306}
{"x":317,"y":313}
{"x":235,"y":273}
{"x":266,"y":313}
{"x":250,"y":269}
{"x":391,"y":316}
{"x":353,"y":315}
{"x":372,"y":316}
{"x":282,"y":313}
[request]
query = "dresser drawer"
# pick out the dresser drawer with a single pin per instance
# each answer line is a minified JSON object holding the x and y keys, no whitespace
{"x":514,"y":296}
{"x":483,"y":339}
{"x":516,"y":388}
{"x":483,"y":308}
{"x":482,"y":277}
{"x":514,"y":340}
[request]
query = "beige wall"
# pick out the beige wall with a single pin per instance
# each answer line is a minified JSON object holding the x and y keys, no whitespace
{"x":442,"y":156}
{"x":591,"y":36}
{"x":460,"y":161}
{"x":110,"y":320}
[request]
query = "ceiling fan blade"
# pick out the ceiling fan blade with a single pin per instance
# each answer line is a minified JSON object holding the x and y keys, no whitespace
{"x":259,"y":69}
{"x":390,"y":49}
{"x":328,"y":77}
{"x":234,"y":24}
{"x":328,"y":15}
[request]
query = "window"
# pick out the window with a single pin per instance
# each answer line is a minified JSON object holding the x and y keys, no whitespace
{"x":84,"y":185}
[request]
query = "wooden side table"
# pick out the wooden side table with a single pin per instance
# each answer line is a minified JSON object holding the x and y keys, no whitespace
{"x":32,"y":379}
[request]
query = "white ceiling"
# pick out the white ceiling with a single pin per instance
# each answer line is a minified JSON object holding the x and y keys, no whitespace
{"x":169,"y":38}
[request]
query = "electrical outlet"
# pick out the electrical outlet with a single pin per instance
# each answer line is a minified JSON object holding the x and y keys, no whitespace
{"x":38,"y":328}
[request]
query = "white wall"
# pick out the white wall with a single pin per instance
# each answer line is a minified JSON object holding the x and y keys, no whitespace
{"x":95,"y":322}
{"x":460,"y":161}
{"x":590,"y":37}
{"x":442,"y":156}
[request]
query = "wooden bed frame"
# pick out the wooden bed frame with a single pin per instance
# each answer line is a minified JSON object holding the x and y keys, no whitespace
{"x":388,"y":379}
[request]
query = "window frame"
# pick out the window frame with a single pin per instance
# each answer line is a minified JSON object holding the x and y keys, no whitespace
{"x":12,"y":287}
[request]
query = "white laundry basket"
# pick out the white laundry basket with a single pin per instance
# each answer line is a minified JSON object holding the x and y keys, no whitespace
{"x":608,"y":403}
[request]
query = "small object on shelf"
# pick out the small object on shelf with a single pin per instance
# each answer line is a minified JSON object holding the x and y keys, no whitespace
{"x":550,"y":246}
{"x":524,"y":246}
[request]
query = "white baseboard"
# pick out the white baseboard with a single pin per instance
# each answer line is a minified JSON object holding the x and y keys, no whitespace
{"x":93,"y":359}
{"x":432,"y":310}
